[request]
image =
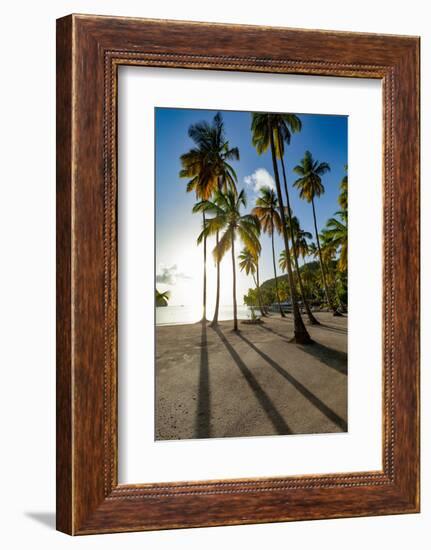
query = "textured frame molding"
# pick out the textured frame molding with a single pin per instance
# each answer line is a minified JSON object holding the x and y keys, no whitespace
{"x":89,"y":51}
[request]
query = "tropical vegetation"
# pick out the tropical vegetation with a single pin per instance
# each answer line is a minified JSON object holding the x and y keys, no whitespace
{"x":321,"y":280}
{"x":266,"y":211}
{"x":207,"y":167}
{"x":227,"y":217}
{"x":310,"y":187}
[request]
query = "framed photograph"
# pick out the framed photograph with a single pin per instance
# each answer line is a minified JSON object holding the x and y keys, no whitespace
{"x":237,"y":274}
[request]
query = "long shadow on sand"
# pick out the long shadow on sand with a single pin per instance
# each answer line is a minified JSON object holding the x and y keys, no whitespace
{"x":282,"y":336}
{"x":331,"y":357}
{"x":203,"y":412}
{"x":332,"y":328}
{"x":274,"y":416}
{"x":324,"y":409}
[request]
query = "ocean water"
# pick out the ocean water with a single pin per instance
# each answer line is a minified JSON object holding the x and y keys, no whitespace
{"x":183,"y":315}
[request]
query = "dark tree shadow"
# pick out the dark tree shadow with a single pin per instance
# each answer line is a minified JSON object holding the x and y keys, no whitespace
{"x":273,"y":414}
{"x":203,"y":409}
{"x":332,"y":358}
{"x":333,"y":328}
{"x":282,"y":336}
{"x":323,"y":408}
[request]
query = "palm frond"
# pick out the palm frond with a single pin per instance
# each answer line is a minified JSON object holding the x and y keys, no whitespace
{"x":223,"y":246}
{"x":250,"y":240}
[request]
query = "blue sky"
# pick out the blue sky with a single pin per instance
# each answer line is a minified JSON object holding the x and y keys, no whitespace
{"x":178,"y":259}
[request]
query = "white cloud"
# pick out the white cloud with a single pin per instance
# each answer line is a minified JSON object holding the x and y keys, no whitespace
{"x":260,"y":178}
{"x":170,"y":275}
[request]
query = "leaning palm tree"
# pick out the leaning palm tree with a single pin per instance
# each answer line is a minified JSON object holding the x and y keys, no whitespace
{"x":265,"y":128}
{"x":266,"y":211}
{"x":300,"y":246}
{"x":227,"y":217}
{"x":310,"y":186}
{"x":208,"y":167}
{"x":249,"y":262}
{"x":162,"y":298}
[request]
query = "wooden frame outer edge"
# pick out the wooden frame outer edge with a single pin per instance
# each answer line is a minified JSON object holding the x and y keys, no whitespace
{"x":70,"y":516}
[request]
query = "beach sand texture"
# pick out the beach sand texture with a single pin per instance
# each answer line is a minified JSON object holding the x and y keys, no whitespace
{"x":217,"y":383}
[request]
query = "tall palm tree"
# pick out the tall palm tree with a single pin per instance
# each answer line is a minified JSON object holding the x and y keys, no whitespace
{"x":194,"y":166}
{"x":213,"y":140}
{"x":265,"y":128}
{"x":286,"y":125}
{"x":227,"y":217}
{"x":300,"y":246}
{"x":249,"y":262}
{"x":310,"y":186}
{"x":266,"y":211}
{"x":208,"y":167}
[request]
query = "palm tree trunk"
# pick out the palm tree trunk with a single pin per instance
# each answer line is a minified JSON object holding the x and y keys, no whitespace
{"x":259,"y":297}
{"x":215,"y":318}
{"x":311,"y":318}
{"x":235,"y":319}
{"x":216,"y":309}
{"x":322,"y":269}
{"x":275,"y":274}
{"x":300,"y":332}
{"x":204,"y":309}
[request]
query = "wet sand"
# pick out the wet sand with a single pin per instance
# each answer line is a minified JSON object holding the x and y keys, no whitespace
{"x":218,"y":383}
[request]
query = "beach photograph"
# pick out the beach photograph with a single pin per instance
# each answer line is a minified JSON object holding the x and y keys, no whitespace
{"x":251,"y":273}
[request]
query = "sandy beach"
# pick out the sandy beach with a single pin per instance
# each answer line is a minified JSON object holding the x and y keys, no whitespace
{"x":218,"y":383}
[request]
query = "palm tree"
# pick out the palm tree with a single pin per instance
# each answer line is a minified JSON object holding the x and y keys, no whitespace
{"x":303,"y":251}
{"x":300,"y":246}
{"x":335,"y":233}
{"x":212,"y":139}
{"x":312,"y":250}
{"x":227,"y":217}
{"x":207,"y":166}
{"x":265,"y":128}
{"x":194,"y":167}
{"x":310,"y":186}
{"x":249,"y":262}
{"x":266,"y":211}
{"x":334,"y":242}
{"x":286,"y":125}
{"x":162,"y":298}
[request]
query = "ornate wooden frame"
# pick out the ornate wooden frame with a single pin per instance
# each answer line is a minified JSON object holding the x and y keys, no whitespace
{"x":89,"y":51}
